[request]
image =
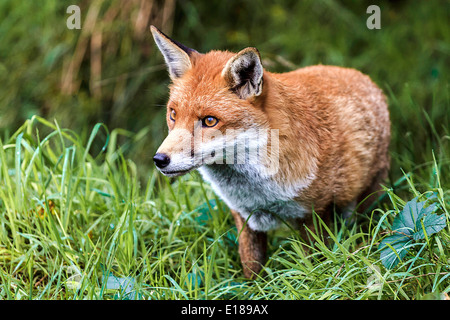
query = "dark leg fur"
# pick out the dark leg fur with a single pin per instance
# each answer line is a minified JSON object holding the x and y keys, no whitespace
{"x":370,"y":196}
{"x":252,"y":247}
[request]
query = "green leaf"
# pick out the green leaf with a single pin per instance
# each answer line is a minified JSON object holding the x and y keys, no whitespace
{"x":204,"y":212}
{"x":389,"y":257}
{"x":415,"y":222}
{"x":194,"y":279}
{"x":405,"y":221}
{"x":125,"y":285}
{"x":432,"y":224}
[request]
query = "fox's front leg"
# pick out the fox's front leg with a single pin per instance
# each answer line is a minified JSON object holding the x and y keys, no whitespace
{"x":252,"y":247}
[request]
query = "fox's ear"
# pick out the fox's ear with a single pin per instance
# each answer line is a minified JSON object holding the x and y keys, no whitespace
{"x":176,"y":55}
{"x":244,"y":73}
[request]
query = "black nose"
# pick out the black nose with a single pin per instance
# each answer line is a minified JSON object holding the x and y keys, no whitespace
{"x":161,"y":160}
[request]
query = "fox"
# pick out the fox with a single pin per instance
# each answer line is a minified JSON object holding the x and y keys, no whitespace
{"x":327,"y":129}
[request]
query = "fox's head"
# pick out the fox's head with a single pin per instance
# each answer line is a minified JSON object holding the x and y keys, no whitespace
{"x":212,"y":106}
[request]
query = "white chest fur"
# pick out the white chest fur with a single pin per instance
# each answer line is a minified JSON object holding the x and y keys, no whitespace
{"x":247,"y":191}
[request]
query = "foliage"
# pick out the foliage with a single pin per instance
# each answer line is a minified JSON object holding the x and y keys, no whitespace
{"x":414,"y":222}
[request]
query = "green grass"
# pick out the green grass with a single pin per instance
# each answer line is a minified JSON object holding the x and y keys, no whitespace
{"x":72,"y":219}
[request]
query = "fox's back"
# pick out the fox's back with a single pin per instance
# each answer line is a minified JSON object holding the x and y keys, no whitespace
{"x":347,"y":118}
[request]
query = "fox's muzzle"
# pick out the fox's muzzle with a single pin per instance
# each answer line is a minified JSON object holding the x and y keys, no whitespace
{"x":183,"y":151}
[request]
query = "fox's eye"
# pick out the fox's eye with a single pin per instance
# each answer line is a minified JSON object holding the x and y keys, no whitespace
{"x":209,"y":121}
{"x":172,"y":115}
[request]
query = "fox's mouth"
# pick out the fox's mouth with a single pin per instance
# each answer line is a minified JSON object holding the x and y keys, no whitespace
{"x":175,"y":173}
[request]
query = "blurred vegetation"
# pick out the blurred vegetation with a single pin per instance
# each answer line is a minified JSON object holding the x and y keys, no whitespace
{"x":110,"y":72}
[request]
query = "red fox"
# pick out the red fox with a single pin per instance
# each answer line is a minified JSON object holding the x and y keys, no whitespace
{"x":327,"y":128}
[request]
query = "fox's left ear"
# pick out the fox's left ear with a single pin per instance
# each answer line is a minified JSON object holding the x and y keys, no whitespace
{"x":244,"y":73}
{"x":176,"y":55}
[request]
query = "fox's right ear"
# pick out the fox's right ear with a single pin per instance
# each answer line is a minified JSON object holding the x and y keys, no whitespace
{"x":176,"y":55}
{"x":244,"y":73}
